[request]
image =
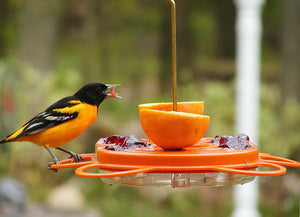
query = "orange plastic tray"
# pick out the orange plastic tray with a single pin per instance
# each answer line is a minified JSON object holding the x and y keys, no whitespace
{"x":200,"y":158}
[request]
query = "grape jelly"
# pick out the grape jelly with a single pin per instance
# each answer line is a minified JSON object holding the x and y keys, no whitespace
{"x":123,"y":143}
{"x":237,"y":141}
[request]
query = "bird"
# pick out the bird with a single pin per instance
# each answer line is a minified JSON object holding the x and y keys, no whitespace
{"x":64,"y":120}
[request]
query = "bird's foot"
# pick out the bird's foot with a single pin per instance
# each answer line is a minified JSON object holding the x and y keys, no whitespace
{"x":77,"y":157}
{"x":49,"y":166}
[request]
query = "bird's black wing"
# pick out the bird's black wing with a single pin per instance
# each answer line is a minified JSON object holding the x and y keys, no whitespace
{"x":56,"y":114}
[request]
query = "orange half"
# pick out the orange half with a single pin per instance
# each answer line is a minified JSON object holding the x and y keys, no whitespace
{"x":173,"y":129}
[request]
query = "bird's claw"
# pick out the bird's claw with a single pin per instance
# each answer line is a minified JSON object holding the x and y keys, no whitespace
{"x":50,"y":164}
{"x":77,"y":157}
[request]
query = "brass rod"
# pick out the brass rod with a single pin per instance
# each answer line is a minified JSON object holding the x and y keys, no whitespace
{"x":174,"y":58}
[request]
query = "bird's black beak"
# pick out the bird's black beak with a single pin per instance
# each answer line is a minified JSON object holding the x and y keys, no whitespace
{"x":111,"y":92}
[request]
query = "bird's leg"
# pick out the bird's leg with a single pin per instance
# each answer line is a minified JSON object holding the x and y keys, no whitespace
{"x":54,"y":158}
{"x":76,"y":156}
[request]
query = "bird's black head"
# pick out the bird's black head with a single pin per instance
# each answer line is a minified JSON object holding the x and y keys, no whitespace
{"x":95,"y":93}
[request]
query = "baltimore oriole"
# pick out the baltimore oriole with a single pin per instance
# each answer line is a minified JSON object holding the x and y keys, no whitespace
{"x":64,"y":120}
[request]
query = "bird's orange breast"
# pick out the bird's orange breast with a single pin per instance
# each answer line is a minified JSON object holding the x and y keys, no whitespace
{"x":67,"y":131}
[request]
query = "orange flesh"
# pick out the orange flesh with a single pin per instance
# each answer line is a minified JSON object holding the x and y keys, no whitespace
{"x":195,"y":107}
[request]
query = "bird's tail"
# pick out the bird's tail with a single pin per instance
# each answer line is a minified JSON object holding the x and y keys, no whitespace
{"x":12,"y":137}
{"x":2,"y":141}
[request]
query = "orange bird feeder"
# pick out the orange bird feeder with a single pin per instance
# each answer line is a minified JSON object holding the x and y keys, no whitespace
{"x":202,"y":164}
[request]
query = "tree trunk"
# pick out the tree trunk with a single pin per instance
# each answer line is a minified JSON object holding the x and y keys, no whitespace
{"x":4,"y":10}
{"x":290,"y":76}
{"x":185,"y":41}
{"x":165,"y":53}
{"x":38,"y":22}
{"x":38,"y":33}
{"x":225,"y":14}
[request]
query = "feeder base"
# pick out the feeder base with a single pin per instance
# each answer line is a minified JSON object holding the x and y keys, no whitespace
{"x":179,"y":180}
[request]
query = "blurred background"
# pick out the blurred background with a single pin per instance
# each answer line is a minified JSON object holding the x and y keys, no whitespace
{"x":49,"y":49}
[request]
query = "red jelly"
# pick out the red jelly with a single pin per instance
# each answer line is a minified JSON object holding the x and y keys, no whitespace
{"x":237,"y":141}
{"x":122,"y":143}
